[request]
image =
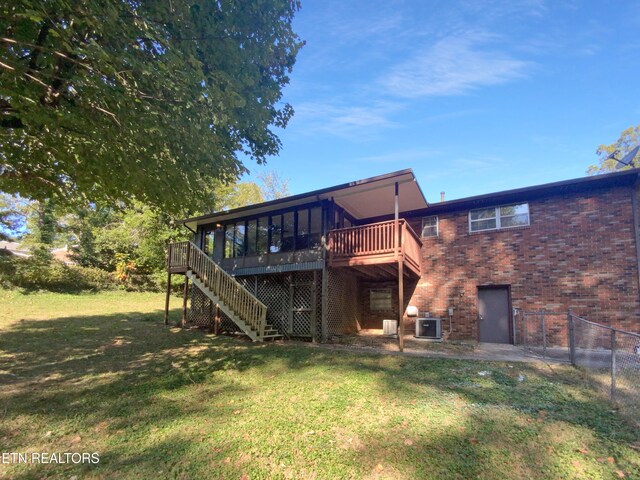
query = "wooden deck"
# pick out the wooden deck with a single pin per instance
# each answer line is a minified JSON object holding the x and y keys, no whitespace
{"x":376,"y":249}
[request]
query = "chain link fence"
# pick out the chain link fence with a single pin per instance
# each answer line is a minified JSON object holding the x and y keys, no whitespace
{"x":542,"y":333}
{"x":610,"y":357}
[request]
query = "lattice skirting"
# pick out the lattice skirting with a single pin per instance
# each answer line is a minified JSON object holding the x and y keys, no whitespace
{"x":294,"y":303}
{"x":343,"y":312}
{"x":202,"y":313}
{"x":201,"y":309}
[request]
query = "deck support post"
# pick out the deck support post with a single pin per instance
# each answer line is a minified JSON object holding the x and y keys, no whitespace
{"x":184,"y":300}
{"x":216,"y":320}
{"x":400,"y":258}
{"x":324,"y":330}
{"x":401,"y":305}
{"x":166,"y":302}
{"x":396,"y":223}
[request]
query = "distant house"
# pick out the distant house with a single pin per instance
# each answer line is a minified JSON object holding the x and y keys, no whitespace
{"x":62,"y":254}
{"x":349,"y":257}
{"x":15,"y":248}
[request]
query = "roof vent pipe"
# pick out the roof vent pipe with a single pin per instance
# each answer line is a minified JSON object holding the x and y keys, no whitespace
{"x":442,"y":196}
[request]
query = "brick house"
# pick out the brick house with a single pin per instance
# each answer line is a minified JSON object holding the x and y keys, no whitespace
{"x":337,"y":260}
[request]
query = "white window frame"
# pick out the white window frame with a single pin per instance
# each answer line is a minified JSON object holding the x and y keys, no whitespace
{"x":497,"y":217}
{"x":437,"y":227}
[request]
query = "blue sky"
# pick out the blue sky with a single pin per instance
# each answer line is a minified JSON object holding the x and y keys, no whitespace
{"x":476,"y":96}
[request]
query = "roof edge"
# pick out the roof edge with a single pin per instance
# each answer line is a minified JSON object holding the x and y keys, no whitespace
{"x":625,"y":177}
{"x":293,"y":198}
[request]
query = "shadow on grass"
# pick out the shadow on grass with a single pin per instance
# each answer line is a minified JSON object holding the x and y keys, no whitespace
{"x":155,"y":396}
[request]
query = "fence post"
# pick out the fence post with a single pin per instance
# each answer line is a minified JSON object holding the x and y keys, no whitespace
{"x":525,"y":330}
{"x":572,"y":340}
{"x":544,"y":335}
{"x":613,"y":365}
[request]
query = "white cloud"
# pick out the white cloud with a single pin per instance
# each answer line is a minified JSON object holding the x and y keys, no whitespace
{"x":452,"y":66}
{"x":400,"y":156}
{"x":344,"y":120}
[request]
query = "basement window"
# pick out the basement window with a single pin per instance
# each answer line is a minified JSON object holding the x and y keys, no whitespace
{"x":380,"y":300}
{"x":497,"y":218}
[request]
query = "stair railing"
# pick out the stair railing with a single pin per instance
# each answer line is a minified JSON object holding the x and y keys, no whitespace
{"x":230,"y":292}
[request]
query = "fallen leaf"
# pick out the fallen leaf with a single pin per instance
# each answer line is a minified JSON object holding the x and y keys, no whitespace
{"x":584,"y":451}
{"x":379,"y":467}
{"x":576,"y":463}
{"x":620,"y":473}
{"x":76,"y":439}
{"x":611,"y":460}
{"x":236,"y":412}
{"x":473,"y":440}
{"x":408,"y":442}
{"x":227,"y":460}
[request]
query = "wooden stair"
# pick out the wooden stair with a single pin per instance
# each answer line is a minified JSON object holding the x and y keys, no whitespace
{"x":240,"y":305}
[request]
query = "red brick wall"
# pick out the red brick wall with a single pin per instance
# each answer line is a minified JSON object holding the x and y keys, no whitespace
{"x":579,"y":251}
{"x":373,"y":319}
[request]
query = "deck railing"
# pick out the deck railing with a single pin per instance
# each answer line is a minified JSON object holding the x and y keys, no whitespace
{"x":376,"y":240}
{"x":187,"y":256}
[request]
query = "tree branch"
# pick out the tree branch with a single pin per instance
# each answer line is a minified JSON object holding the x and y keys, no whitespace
{"x":35,"y":53}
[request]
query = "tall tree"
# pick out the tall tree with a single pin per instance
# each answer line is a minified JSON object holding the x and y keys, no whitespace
{"x":153,"y":100}
{"x":12,"y":216}
{"x":273,"y":186}
{"x":629,"y":139}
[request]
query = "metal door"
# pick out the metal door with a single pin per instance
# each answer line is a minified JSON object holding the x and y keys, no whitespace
{"x":494,"y":319}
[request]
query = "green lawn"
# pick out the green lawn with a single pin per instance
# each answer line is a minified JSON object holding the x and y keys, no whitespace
{"x":100,"y":373}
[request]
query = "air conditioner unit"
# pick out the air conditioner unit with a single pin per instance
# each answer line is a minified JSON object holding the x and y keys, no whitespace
{"x":428,"y":328}
{"x":389,"y":327}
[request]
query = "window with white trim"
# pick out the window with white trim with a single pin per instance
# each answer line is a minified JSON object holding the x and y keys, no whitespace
{"x":496,"y":218}
{"x":430,"y":226}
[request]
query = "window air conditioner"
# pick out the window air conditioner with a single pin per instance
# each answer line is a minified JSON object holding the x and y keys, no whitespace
{"x":389,"y":327}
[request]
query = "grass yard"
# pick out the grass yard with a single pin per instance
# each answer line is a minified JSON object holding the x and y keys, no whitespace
{"x":100,"y":373}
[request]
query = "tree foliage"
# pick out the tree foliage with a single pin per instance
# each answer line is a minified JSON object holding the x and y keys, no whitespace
{"x":12,"y":216}
{"x":273,"y":185}
{"x":118,"y":100}
{"x":629,"y":139}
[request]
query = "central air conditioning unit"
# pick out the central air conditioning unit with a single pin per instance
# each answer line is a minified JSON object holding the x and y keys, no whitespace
{"x":428,"y":328}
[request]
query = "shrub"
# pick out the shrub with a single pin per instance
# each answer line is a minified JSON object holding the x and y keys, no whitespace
{"x":40,"y":273}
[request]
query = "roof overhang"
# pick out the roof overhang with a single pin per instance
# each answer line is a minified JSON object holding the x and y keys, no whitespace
{"x":365,"y":198}
{"x":626,"y":178}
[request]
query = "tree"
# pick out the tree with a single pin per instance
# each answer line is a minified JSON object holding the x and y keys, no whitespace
{"x":116,"y":100}
{"x":42,"y":224}
{"x":273,"y":186}
{"x":12,"y":216}
{"x":236,"y":195}
{"x":629,"y":139}
{"x":105,"y":237}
